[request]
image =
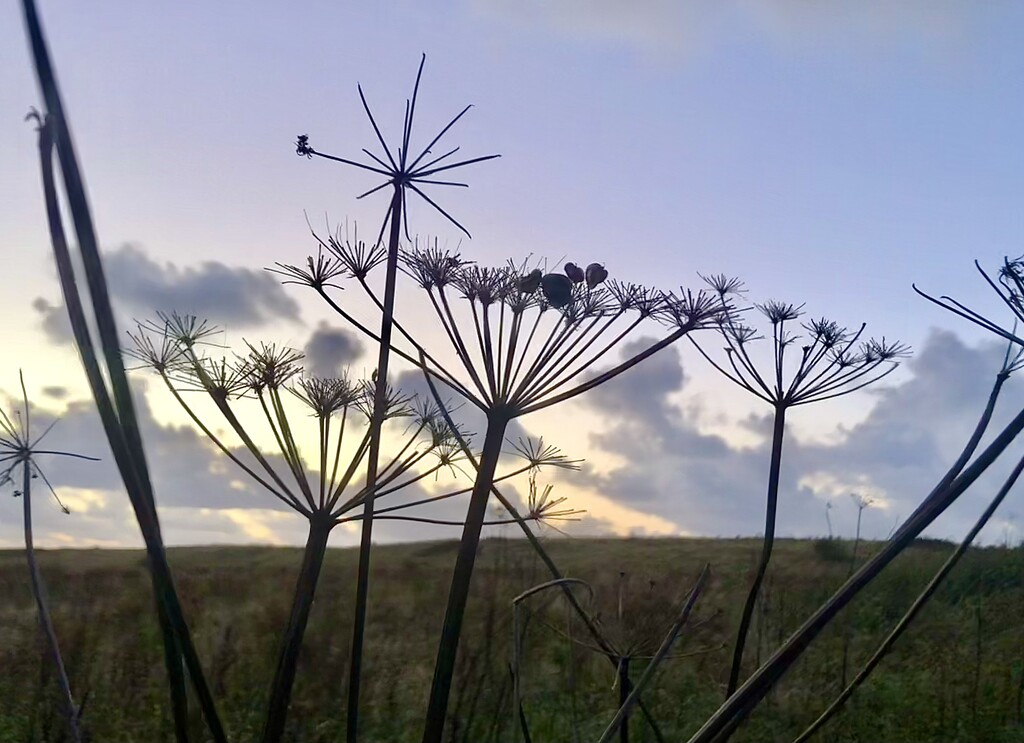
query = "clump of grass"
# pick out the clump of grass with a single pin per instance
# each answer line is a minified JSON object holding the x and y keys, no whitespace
{"x":829,"y":549}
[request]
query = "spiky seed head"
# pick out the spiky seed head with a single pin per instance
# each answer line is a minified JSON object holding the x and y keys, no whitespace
{"x":779,"y":312}
{"x":723,"y":285}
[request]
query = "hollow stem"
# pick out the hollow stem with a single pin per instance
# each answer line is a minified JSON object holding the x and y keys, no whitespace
{"x":458,"y":594}
{"x":288,"y":658}
{"x":771,"y":509}
{"x":373,"y":457}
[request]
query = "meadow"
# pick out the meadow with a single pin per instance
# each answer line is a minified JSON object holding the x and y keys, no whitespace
{"x":956,"y":675}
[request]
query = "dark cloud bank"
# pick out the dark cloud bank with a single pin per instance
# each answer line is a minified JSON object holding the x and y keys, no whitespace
{"x":232,"y":297}
{"x":914,"y":431}
{"x":700,"y":481}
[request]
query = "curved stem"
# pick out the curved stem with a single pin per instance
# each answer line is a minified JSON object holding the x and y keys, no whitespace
{"x":914,"y":609}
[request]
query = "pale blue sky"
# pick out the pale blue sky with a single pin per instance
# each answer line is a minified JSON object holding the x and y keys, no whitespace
{"x":827,"y":153}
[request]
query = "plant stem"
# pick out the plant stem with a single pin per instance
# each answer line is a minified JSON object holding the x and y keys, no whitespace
{"x":624,"y":688}
{"x":39,"y":592}
{"x":556,"y":574}
{"x":771,"y":507}
{"x":746,"y":698}
{"x":915,"y":608}
{"x":305,"y":590}
{"x":458,"y":595}
{"x":118,"y":415}
{"x":373,"y":458}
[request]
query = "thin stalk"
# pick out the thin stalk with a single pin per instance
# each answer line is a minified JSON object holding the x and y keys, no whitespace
{"x":305,"y":590}
{"x":771,"y":509}
{"x":373,"y":457}
{"x":45,"y":621}
{"x":666,"y":644}
{"x":624,"y":688}
{"x":458,"y":594}
{"x":915,"y":608}
{"x":746,"y":698}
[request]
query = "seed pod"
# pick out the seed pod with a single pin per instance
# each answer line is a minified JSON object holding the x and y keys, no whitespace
{"x":574,"y":272}
{"x":528,"y":284}
{"x":596,"y":274}
{"x":557,"y":289}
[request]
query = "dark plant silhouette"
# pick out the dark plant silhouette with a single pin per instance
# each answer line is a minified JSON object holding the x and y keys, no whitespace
{"x":271,"y":380}
{"x":403,"y":172}
{"x":101,"y":359}
{"x":963,"y":473}
{"x":19,"y":449}
{"x":815,"y":361}
{"x":519,"y":341}
{"x":515,"y":339}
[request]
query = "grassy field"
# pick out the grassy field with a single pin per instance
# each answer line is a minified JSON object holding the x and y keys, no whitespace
{"x":958,"y":675}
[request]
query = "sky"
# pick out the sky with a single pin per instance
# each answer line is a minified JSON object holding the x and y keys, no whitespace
{"x":829,"y":154}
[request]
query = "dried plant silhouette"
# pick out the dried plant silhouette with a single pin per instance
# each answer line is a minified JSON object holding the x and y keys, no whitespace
{"x":268,"y":379}
{"x":522,"y":339}
{"x":403,"y":172}
{"x":519,"y":341}
{"x":962,"y":474}
{"x":816,"y":361}
{"x":20,"y":450}
{"x":507,"y":341}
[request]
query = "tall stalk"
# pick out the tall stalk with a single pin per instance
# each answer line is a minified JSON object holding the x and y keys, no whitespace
{"x":373,"y":458}
{"x":458,"y":594}
{"x":403,"y":171}
{"x":768,"y":542}
{"x":831,"y":361}
{"x":745,"y":699}
{"x":305,"y":592}
{"x":114,"y":403}
{"x":45,"y":621}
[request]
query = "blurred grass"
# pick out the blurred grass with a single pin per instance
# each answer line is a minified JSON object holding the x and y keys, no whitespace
{"x":958,"y":675}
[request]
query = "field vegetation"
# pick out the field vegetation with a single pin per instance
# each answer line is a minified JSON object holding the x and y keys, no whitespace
{"x":956,"y":675}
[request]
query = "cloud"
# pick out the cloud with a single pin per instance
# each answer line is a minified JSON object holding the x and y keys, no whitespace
{"x":56,"y":392}
{"x":329,"y":350}
{"x":232,"y":297}
{"x":707,"y":485}
{"x":54,"y":320}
